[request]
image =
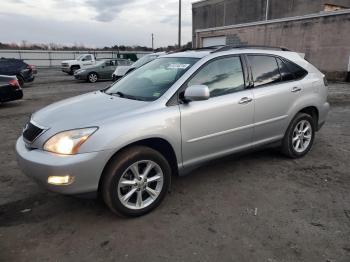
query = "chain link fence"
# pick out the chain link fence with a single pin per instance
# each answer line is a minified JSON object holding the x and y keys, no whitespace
{"x":46,"y":58}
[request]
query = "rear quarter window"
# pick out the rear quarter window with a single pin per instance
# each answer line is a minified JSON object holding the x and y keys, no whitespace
{"x":295,"y":70}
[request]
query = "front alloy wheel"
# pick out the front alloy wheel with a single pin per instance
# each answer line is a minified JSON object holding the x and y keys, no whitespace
{"x":140,"y":185}
{"x":92,"y":77}
{"x":136,"y":181}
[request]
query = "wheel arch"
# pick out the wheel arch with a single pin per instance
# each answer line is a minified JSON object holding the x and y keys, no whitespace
{"x":312,"y":111}
{"x":159,"y":144}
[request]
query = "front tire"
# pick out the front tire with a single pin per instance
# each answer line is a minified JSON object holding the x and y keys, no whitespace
{"x":136,"y":181}
{"x":299,"y":137}
{"x":92,"y":77}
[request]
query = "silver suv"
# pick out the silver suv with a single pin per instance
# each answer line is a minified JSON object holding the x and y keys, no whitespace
{"x":168,"y":117}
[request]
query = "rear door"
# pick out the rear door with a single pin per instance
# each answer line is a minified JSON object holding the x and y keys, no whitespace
{"x":275,"y":91}
{"x":223,"y":123}
{"x":108,"y":69}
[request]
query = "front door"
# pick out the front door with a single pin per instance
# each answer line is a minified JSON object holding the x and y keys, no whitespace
{"x":223,"y":123}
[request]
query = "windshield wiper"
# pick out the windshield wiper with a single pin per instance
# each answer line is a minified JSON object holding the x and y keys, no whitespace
{"x":122,"y":95}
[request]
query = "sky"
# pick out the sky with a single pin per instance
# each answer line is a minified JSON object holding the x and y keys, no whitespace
{"x":94,"y":23}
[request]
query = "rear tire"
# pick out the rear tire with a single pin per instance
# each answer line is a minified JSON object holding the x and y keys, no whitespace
{"x":135,"y":181}
{"x":299,"y":136}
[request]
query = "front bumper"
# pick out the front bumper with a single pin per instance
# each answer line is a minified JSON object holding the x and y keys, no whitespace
{"x":80,"y":76}
{"x":65,"y":69}
{"x":86,"y":169}
{"x":12,"y":95}
{"x":323,"y":112}
{"x":29,"y":79}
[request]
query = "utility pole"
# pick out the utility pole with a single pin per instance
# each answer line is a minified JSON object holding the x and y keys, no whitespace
{"x":267,"y":10}
{"x":152,"y":41}
{"x":179,"y":24}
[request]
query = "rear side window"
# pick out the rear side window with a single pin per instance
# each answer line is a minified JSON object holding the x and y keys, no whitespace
{"x":222,"y":76}
{"x":265,"y":69}
{"x":286,"y":74}
{"x":297,"y":71}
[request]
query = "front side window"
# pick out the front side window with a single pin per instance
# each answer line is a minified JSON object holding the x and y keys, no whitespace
{"x":265,"y":70}
{"x":222,"y":76}
{"x":152,"y":80}
{"x":87,"y":58}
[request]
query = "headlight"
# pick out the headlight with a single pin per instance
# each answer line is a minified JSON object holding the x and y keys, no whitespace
{"x":79,"y":71}
{"x":68,"y":142}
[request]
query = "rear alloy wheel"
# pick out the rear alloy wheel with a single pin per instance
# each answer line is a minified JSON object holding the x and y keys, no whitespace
{"x":92,"y":77}
{"x":136,"y":181}
{"x":299,"y":137}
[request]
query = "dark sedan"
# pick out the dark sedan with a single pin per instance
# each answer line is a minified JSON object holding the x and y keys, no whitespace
{"x":9,"y":89}
{"x":16,"y":67}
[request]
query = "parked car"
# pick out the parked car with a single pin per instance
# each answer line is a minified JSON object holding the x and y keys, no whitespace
{"x":170,"y":116}
{"x":122,"y":70}
{"x":16,"y":67}
{"x":82,"y":61}
{"x":100,"y":71}
{"x":10,"y":89}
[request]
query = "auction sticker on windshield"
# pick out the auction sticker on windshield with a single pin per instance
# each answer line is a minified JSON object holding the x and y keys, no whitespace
{"x":178,"y":66}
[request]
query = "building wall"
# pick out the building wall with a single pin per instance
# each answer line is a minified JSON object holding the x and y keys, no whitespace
{"x":215,"y":13}
{"x":324,"y":40}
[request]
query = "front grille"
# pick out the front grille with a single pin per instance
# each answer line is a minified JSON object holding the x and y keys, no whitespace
{"x":31,"y":132}
{"x":65,"y":65}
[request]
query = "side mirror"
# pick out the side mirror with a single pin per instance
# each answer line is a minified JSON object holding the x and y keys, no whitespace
{"x":196,"y":93}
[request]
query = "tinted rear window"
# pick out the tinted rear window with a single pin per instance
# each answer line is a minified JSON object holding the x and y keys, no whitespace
{"x":296,"y":70}
{"x":265,"y":69}
{"x":286,"y":74}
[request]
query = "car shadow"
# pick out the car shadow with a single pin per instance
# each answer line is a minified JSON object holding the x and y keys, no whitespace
{"x":43,"y":206}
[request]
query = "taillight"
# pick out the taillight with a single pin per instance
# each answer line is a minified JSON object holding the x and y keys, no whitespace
{"x":31,"y":67}
{"x":325,"y":81}
{"x":14,"y":83}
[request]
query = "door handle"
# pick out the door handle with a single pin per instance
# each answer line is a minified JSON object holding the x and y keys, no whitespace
{"x":245,"y":100}
{"x":296,"y":89}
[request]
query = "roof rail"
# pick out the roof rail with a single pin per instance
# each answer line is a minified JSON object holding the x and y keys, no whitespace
{"x":214,"y":47}
{"x":229,"y":47}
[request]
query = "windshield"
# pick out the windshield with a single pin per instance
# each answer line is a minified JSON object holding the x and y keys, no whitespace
{"x":144,"y":60}
{"x":80,"y":57}
{"x":152,"y":80}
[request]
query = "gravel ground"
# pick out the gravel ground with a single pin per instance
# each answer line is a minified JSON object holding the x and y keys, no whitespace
{"x":253,"y":207}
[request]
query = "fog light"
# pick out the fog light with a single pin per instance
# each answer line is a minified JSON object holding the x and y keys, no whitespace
{"x":60,"y":180}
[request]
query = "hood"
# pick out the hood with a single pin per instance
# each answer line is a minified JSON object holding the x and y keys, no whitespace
{"x":85,"y":110}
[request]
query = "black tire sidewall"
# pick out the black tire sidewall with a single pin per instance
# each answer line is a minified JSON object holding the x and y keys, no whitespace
{"x":292,"y":152}
{"x":117,"y":167}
